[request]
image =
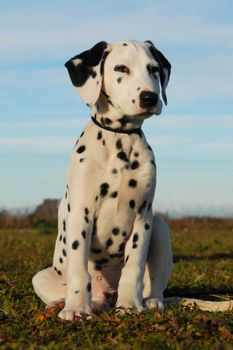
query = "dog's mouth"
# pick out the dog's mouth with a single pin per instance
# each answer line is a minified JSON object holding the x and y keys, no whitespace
{"x":146,"y":114}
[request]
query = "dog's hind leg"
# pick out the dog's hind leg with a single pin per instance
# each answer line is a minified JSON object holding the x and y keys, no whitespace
{"x":49,"y":286}
{"x":159,"y":265}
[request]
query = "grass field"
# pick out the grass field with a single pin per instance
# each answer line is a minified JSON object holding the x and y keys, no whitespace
{"x":203,"y":266}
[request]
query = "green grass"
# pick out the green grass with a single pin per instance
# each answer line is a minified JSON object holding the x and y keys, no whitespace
{"x":203,"y":266}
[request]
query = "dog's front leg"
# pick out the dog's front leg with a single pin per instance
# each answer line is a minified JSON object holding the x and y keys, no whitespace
{"x":78,"y":291}
{"x":131,"y":281}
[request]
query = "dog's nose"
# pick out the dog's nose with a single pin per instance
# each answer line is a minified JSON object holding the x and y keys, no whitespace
{"x":148,"y":99}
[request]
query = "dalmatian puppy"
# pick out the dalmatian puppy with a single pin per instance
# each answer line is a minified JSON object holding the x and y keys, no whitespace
{"x":110,"y":250}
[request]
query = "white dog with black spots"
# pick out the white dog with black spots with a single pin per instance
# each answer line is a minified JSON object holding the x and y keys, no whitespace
{"x":110,"y":249}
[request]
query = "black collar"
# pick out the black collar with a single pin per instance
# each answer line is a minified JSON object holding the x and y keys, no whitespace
{"x":117,"y":130}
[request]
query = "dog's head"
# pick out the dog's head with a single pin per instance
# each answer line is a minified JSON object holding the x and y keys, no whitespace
{"x":128,"y":73}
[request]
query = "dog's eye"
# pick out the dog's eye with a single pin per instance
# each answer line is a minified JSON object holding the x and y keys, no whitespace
{"x":121,"y":68}
{"x":154,"y":69}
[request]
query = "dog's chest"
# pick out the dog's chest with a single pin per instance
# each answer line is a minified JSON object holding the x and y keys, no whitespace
{"x":121,"y":186}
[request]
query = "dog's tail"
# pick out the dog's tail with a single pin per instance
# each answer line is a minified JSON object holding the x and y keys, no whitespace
{"x":205,"y":305}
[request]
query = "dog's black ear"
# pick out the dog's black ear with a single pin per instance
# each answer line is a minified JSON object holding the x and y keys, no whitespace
{"x":164,"y":68}
{"x":86,"y":71}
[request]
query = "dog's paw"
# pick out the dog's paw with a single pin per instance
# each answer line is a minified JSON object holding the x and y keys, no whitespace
{"x":128,"y":307}
{"x":154,"y":303}
{"x":54,"y":306}
{"x":69,"y":314}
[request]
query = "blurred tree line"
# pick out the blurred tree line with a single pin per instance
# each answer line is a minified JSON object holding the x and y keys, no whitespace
{"x":44,"y":216}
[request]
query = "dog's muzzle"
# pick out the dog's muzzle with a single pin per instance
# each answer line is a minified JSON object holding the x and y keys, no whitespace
{"x":148,"y":99}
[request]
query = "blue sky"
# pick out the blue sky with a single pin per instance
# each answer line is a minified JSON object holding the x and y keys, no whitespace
{"x":41,"y":115}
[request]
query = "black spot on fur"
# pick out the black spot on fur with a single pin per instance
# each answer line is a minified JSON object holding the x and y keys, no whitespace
{"x":123,"y":121}
{"x":114,"y":171}
{"x":114,"y":194}
{"x":119,"y":80}
{"x":103,"y":142}
{"x":122,"y":155}
{"x":102,"y":261}
{"x":60,"y":238}
{"x":104,"y":189}
{"x":127,"y":258}
{"x":121,"y":247}
{"x":64,"y":240}
{"x":125,"y":44}
{"x":132,"y":203}
{"x":135,"y":237}
{"x":81,"y":160}
{"x":75,"y":244}
{"x":132,"y":183}
{"x":61,"y":260}
{"x":89,"y":287}
{"x":142,"y":207}
{"x":59,"y":272}
{"x":96,"y":250}
{"x":134,"y":245}
{"x":109,"y":242}
{"x":94,"y":227}
{"x":115,"y":231}
{"x":76,"y":292}
{"x":81,"y":149}
{"x":64,"y":252}
{"x":98,"y":267}
{"x":107,"y":121}
{"x":86,"y":219}
{"x":116,"y":255}
{"x":68,"y":207}
{"x":86,"y":211}
{"x":124,"y":234}
{"x":93,"y":74}
{"x":84,"y":234}
{"x":96,"y":198}
{"x":119,"y":144}
{"x":99,"y":135}
{"x":133,"y":100}
{"x":147,"y":226}
{"x":134,"y":165}
{"x":136,"y":154}
{"x":153,"y":163}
